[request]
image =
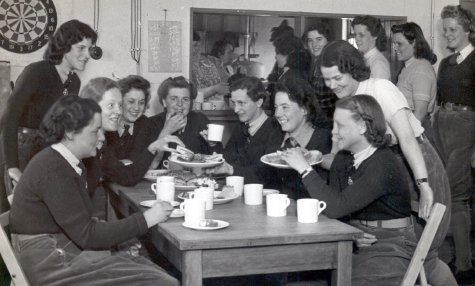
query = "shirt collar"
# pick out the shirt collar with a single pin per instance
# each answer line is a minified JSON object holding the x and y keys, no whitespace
{"x":465,"y":52}
{"x":121,"y":128}
{"x":68,"y":156}
{"x":409,"y":61}
{"x":363,"y":155}
{"x":256,"y":124}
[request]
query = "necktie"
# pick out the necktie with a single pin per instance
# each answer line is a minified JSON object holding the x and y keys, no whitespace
{"x":290,"y":143}
{"x":245,"y":131}
{"x":453,"y":58}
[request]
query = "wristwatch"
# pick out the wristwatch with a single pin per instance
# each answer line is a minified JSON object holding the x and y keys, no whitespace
{"x":421,"y":180}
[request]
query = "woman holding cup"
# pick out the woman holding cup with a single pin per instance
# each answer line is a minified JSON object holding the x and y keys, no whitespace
{"x":367,"y":184}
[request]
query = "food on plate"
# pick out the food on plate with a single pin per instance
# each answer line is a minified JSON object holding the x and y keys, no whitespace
{"x":276,"y":158}
{"x":182,"y":177}
{"x":197,"y":157}
{"x":208,"y":223}
{"x":203,"y":182}
{"x":227,"y":192}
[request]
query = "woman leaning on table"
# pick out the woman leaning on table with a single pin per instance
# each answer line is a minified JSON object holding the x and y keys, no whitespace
{"x":367,"y":186}
{"x":298,"y":113}
{"x":38,"y":87}
{"x":345,"y":72}
{"x":417,"y":80}
{"x":54,"y":233}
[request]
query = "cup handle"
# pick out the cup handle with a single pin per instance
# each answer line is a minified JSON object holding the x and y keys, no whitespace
{"x":287,"y":203}
{"x":182,"y":206}
{"x":154,"y":188}
{"x":191,"y":195}
{"x":321,"y":206}
{"x":165,"y":164}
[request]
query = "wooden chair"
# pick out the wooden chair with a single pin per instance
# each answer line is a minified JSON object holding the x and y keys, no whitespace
{"x":6,"y":250}
{"x":416,"y":265}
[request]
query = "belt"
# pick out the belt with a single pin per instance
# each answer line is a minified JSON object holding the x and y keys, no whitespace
{"x":389,"y":223}
{"x":26,"y":130}
{"x":450,"y":106}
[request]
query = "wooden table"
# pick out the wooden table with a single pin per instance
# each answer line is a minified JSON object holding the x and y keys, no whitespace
{"x":252,"y":244}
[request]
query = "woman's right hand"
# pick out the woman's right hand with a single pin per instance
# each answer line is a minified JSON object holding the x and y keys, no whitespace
{"x":204,"y":135}
{"x":161,"y":144}
{"x":15,"y":174}
{"x":221,"y":88}
{"x":173,"y":123}
{"x":366,"y":240}
{"x":158,"y":213}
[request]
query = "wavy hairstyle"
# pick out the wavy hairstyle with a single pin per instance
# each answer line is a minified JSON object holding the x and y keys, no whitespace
{"x":175,"y":82}
{"x":347,"y":58}
{"x":323,"y":28}
{"x":68,"y":34}
{"x":219,"y":48}
{"x":463,"y":16}
{"x":96,"y":88}
{"x":414,"y":35}
{"x":302,"y":93}
{"x":254,"y":87}
{"x":375,"y":28}
{"x":366,"y":108}
{"x":68,"y":114}
{"x":135,"y":82}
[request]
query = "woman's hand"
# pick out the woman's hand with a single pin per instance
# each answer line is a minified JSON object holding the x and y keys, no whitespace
{"x":425,"y":201}
{"x":204,"y":135}
{"x":175,"y":122}
{"x":295,"y":159}
{"x":158,"y":213}
{"x":224,"y":168}
{"x":366,"y":240}
{"x":161,"y":144}
{"x":221,"y":88}
{"x":15,"y":174}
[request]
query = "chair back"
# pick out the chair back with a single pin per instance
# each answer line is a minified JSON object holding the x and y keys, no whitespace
{"x":417,"y":262}
{"x":6,"y":250}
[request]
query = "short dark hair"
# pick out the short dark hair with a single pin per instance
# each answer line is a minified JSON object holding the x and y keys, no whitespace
{"x":68,"y":34}
{"x":463,"y":16}
{"x":68,"y":113}
{"x":283,"y":30}
{"x":365,"y":107}
{"x":302,"y":93}
{"x":135,"y":82}
{"x":375,"y":28}
{"x":347,"y":58}
{"x":219,"y":48}
{"x":254,"y":87}
{"x":175,"y":82}
{"x":96,"y":88}
{"x":414,"y":35}
{"x":323,"y":28}
{"x":288,"y":44}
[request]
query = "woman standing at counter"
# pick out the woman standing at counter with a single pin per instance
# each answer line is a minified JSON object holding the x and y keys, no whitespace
{"x":54,"y":233}
{"x":38,"y":87}
{"x":371,"y":41}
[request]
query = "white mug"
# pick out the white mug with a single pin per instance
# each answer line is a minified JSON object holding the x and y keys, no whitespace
{"x":194,"y":210}
{"x":237,"y":182}
{"x":206,"y":194}
{"x":309,"y":209}
{"x":215,"y":132}
{"x":277,"y":205}
{"x":253,"y":194}
{"x":165,"y":191}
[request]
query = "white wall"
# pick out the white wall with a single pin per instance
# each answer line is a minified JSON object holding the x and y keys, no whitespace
{"x":114,"y":27}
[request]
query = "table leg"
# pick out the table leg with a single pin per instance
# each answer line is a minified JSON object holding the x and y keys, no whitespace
{"x":191,"y":272}
{"x":342,"y":274}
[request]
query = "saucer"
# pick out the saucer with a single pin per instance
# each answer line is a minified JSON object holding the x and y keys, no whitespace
{"x":221,"y":224}
{"x":177,"y":213}
{"x":150,"y":203}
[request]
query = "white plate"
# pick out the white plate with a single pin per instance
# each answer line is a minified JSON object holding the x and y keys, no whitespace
{"x":208,"y":164}
{"x":150,"y":203}
{"x":216,"y":201}
{"x":316,"y":158}
{"x":221,"y":224}
{"x":177,"y":213}
{"x":152,"y":175}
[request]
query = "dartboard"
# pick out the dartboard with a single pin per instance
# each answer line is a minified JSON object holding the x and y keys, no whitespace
{"x":26,"y":25}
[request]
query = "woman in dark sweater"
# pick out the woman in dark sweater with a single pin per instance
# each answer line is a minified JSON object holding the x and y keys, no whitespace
{"x":38,"y":87}
{"x":54,"y":233}
{"x":298,"y":113}
{"x":368,"y":188}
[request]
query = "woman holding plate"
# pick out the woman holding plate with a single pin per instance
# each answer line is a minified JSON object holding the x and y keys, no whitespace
{"x":298,"y":113}
{"x":367,"y":185}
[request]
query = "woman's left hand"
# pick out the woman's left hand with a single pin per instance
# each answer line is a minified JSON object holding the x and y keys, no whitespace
{"x":204,"y":135}
{"x":161,"y":144}
{"x":425,"y":201}
{"x":295,"y":159}
{"x":366,"y":240}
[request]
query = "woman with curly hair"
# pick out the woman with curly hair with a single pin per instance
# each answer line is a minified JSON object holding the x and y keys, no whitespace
{"x":300,"y":117}
{"x":417,"y":80}
{"x":371,"y":40}
{"x":345,"y":72}
{"x":367,"y":185}
{"x":38,"y":87}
